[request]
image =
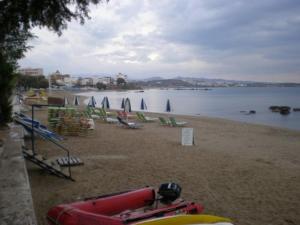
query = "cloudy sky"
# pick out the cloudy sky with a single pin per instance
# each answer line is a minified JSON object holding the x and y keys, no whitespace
{"x":230,"y":39}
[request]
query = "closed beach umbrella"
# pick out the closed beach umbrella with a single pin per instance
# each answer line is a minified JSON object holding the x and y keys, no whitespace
{"x":92,"y":102}
{"x":143,"y":105}
{"x":105,"y":103}
{"x":66,"y":101}
{"x":76,"y":100}
{"x":123,"y":103}
{"x":168,"y":108}
{"x":127,"y":105}
{"x":103,"y":100}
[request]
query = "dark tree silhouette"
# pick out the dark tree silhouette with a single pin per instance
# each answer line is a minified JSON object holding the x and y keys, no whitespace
{"x":27,"y":82}
{"x":121,"y":81}
{"x":101,"y":86}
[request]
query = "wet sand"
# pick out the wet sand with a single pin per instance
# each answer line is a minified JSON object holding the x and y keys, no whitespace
{"x":250,"y":173}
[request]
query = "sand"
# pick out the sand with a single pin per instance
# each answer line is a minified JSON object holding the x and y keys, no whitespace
{"x":250,"y":173}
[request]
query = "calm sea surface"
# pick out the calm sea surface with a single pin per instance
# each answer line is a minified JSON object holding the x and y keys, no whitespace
{"x":217,"y":102}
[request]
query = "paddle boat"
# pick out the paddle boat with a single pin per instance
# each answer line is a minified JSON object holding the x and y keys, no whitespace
{"x":130,"y":207}
{"x":188,"y":220}
{"x":28,"y":124}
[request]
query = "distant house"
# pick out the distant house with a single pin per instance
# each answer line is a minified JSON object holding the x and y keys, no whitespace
{"x":34,"y":72}
{"x":85,"y":81}
{"x":70,"y":81}
{"x":58,"y":78}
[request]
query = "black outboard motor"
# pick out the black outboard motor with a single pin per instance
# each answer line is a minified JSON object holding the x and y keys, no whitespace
{"x":169,"y":192}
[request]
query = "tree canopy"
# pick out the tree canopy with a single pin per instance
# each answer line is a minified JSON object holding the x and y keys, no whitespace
{"x":121,"y":81}
{"x":27,"y":82}
{"x":17,"y":18}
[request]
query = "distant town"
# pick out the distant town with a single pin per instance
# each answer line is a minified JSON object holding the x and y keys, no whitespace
{"x":121,"y":81}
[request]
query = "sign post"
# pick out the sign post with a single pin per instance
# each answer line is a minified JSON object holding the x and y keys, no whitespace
{"x":187,"y":137}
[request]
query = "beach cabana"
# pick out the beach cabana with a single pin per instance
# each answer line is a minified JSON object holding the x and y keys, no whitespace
{"x":76,"y":100}
{"x":168,"y":107}
{"x":66,"y":101}
{"x":127,"y":105}
{"x":143,"y":105}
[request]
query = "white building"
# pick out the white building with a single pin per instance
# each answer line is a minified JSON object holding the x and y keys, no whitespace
{"x":97,"y":80}
{"x":85,"y":81}
{"x":103,"y":80}
{"x":58,"y":78}
{"x":70,"y":81}
{"x":31,"y":72}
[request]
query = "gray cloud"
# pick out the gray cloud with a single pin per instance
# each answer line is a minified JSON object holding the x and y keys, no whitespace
{"x":250,"y":40}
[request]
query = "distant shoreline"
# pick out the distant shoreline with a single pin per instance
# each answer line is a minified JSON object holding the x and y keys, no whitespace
{"x":200,"y":115}
{"x":227,"y":103}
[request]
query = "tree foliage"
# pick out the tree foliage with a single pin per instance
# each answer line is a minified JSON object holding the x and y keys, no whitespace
{"x":7,"y":84}
{"x":28,"y":82}
{"x":121,"y":81}
{"x":101,"y":86}
{"x":17,"y":18}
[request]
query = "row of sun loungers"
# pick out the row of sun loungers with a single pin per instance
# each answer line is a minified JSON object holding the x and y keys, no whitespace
{"x":165,"y":122}
{"x":100,"y":113}
{"x":123,"y":117}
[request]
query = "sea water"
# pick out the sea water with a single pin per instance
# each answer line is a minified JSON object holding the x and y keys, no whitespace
{"x":216,"y":102}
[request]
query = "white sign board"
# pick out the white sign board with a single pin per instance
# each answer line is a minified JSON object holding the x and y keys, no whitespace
{"x":187,"y":136}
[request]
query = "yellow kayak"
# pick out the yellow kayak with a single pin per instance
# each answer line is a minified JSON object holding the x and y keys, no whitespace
{"x":186,"y":219}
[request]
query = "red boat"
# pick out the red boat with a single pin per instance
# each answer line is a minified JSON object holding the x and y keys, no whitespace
{"x":123,"y":208}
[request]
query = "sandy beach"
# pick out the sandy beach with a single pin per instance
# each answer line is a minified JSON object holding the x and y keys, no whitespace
{"x":249,"y":173}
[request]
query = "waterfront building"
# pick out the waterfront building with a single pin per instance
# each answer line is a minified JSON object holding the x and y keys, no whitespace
{"x":34,"y":72}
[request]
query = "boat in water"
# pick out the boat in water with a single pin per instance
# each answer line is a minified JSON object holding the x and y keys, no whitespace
{"x":130,"y":207}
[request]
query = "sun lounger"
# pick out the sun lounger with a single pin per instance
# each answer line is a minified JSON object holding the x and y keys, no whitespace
{"x":164,"y":122}
{"x":174,"y":123}
{"x":88,"y":112}
{"x":139,"y":117}
{"x":125,"y":115}
{"x":129,"y":124}
{"x":144,"y":118}
{"x":104,"y":116}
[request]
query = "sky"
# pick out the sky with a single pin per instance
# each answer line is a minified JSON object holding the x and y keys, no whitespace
{"x":256,"y":40}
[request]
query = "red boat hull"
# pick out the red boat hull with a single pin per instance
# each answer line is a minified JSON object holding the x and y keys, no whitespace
{"x":118,"y":209}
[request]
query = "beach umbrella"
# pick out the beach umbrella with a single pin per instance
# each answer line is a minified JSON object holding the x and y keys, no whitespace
{"x":76,"y":100}
{"x":66,"y":101}
{"x":127,"y":105}
{"x":168,"y":108}
{"x":143,"y":105}
{"x":105,"y":103}
{"x":92,"y":102}
{"x":123,"y":103}
{"x":102,"y":102}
